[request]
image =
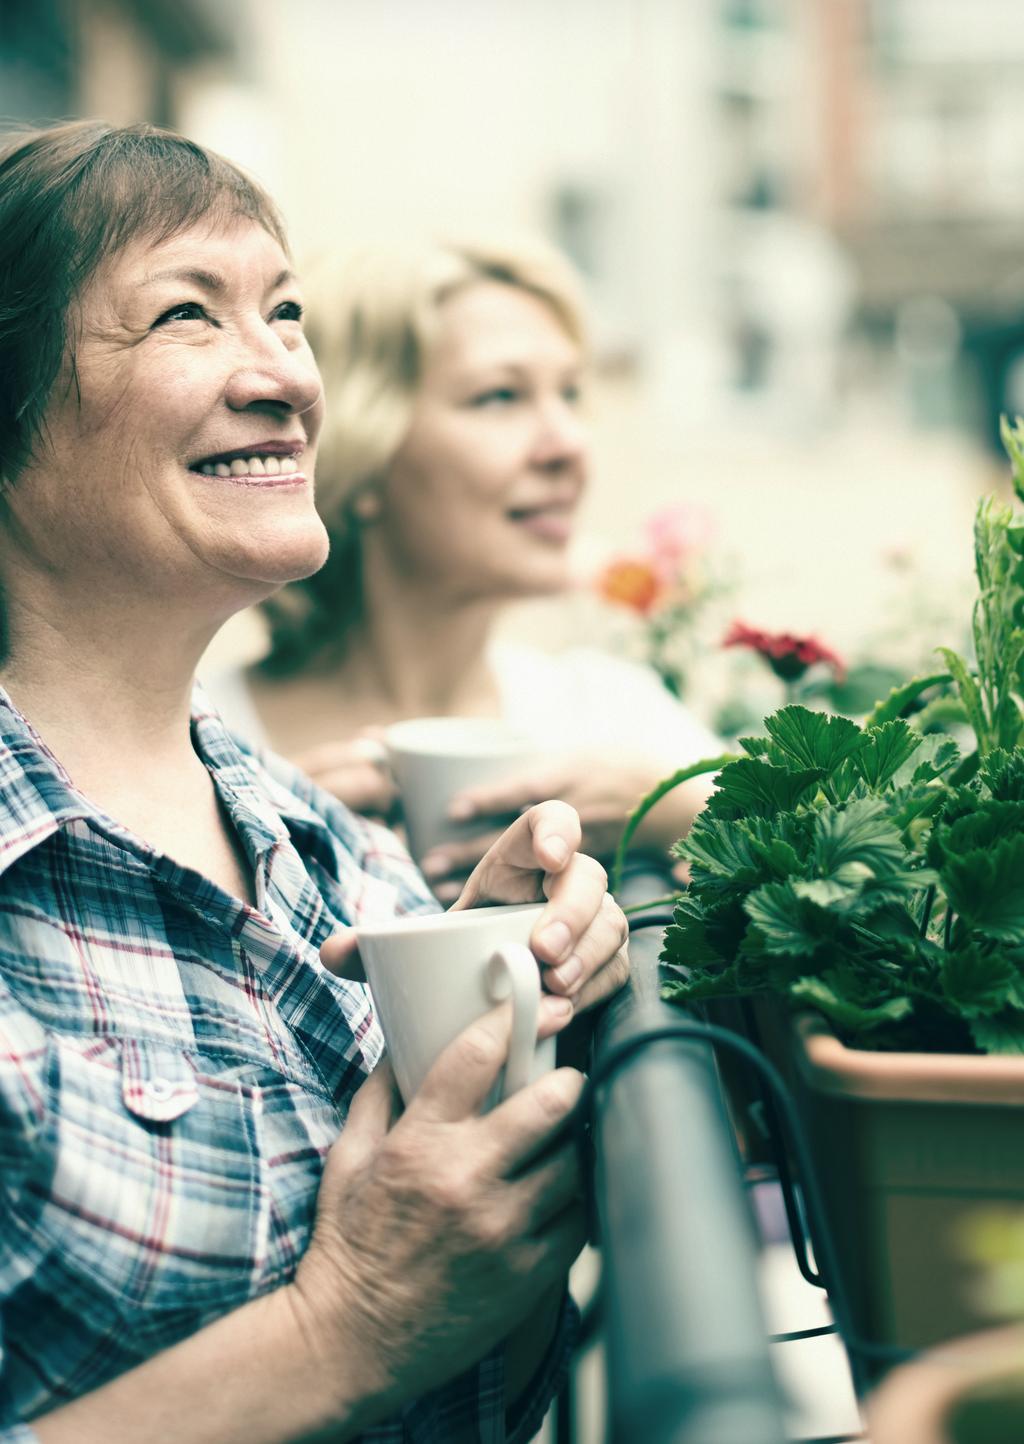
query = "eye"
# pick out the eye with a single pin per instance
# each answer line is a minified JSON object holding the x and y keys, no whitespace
{"x":572,"y":393}
{"x":497,"y":396}
{"x":287,"y":311}
{"x":183,"y":311}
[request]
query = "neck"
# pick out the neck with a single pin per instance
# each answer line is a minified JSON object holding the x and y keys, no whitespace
{"x":108,"y":692}
{"x":419,"y":653}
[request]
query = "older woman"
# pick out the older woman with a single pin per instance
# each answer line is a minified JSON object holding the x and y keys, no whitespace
{"x":454,"y":460}
{"x":188,"y":1248}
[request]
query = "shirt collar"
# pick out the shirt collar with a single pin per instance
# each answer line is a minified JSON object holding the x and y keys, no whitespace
{"x":38,"y":797}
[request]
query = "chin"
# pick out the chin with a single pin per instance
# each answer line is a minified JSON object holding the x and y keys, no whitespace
{"x":285,"y":556}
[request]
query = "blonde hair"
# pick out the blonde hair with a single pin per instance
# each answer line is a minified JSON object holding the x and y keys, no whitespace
{"x":372,"y":322}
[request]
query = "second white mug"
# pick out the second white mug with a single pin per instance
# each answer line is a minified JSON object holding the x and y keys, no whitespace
{"x":434,"y":758}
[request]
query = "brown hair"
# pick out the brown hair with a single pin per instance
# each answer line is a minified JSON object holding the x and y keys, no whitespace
{"x":371,"y":321}
{"x":70,"y":196}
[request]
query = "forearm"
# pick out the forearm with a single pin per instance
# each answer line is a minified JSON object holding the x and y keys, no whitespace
{"x":670,"y":819}
{"x":253,"y":1377}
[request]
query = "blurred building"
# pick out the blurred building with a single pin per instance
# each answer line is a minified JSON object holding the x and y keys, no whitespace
{"x":897,"y":127}
{"x":124,"y":60}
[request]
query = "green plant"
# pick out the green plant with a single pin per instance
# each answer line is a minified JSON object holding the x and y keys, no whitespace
{"x":872,"y":872}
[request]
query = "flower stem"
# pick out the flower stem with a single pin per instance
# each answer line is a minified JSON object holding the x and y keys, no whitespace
{"x":654,"y":902}
{"x":643,"y":807}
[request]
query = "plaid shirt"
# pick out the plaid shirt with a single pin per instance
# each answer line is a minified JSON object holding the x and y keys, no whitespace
{"x":174,"y":1066}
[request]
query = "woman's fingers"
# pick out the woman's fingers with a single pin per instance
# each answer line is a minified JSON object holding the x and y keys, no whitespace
{"x":507,"y":797}
{"x":521,"y":1129}
{"x":593,"y":952}
{"x":608,"y":979}
{"x":458,"y":857}
{"x":575,"y":900}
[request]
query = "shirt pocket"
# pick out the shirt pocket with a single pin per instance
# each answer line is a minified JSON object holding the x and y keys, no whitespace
{"x":156,"y":1195}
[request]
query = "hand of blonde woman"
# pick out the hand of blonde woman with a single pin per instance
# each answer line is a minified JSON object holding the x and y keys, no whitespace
{"x":355,"y":772}
{"x":602,"y":789}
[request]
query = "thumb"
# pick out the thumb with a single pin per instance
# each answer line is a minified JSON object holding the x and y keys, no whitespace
{"x":340,"y":956}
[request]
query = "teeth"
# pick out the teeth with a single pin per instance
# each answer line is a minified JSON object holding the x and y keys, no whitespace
{"x":251,"y":466}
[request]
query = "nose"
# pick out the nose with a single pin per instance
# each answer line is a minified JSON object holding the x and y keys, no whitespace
{"x":275,"y":375}
{"x":562,"y":439}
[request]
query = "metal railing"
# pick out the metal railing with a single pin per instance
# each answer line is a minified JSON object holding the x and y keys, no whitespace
{"x":686,"y":1345}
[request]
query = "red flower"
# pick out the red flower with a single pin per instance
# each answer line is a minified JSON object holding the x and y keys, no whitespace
{"x":631,"y":582}
{"x":788,"y":656}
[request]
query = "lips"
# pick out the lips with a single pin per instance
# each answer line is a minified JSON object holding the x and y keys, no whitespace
{"x":257,"y":463}
{"x":552,"y":522}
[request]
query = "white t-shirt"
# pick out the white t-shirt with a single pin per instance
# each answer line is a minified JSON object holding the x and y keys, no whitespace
{"x":579,"y":700}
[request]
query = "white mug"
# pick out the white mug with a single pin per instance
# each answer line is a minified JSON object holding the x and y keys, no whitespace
{"x":434,"y":758}
{"x":430,"y":977}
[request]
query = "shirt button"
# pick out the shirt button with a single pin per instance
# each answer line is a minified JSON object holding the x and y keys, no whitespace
{"x":158,"y":1089}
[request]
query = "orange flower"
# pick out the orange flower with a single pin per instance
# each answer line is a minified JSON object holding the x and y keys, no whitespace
{"x":631,"y":582}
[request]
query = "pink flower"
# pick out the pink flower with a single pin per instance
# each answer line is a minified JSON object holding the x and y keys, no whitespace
{"x":788,"y":656}
{"x":677,"y":534}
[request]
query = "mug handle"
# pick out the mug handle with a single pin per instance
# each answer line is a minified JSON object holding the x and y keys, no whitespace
{"x":513,"y":972}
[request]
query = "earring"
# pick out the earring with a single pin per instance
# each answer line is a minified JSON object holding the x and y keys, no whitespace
{"x":366,"y":504}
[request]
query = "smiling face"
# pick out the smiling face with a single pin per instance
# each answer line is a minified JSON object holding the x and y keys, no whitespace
{"x":177,"y":456}
{"x":480,"y":498}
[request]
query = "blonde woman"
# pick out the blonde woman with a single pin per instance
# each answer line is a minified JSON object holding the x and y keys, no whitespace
{"x":454,"y":459}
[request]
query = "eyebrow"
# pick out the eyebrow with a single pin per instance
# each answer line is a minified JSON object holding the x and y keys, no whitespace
{"x":206,"y":280}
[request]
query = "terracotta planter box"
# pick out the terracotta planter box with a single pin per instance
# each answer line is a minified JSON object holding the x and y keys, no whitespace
{"x":970,"y":1392}
{"x":906,"y":1145}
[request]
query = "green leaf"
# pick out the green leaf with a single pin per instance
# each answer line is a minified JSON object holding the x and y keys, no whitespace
{"x":700,"y":934}
{"x":885,"y":749}
{"x":733,"y":857}
{"x":970,"y":695}
{"x":936,"y":756}
{"x":643,"y":807}
{"x":1002,"y":773}
{"x":850,"y":1017}
{"x":901,"y":699}
{"x":814,"y":739}
{"x":978,"y":828}
{"x":986,"y":888}
{"x":686,"y":945}
{"x":977,"y":983}
{"x":764,"y":748}
{"x":726,"y":982}
{"x":856,"y":840}
{"x":751,"y":787}
{"x":1002,"y":1034}
{"x":790,"y":925}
